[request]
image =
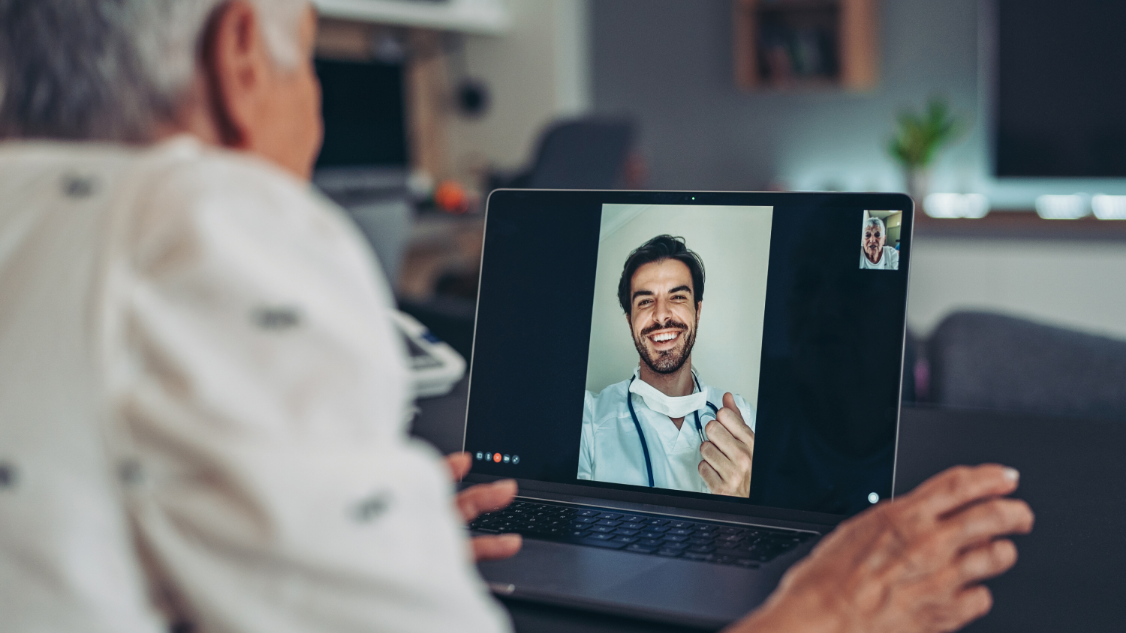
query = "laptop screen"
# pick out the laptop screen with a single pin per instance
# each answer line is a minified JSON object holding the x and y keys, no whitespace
{"x":744,"y":347}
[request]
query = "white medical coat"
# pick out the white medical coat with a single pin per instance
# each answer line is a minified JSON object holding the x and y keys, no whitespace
{"x":610,"y":449}
{"x":889,"y":260}
{"x":203,"y":408}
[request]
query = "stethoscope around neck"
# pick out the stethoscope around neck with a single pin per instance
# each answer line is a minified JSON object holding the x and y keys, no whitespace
{"x":641,"y":434}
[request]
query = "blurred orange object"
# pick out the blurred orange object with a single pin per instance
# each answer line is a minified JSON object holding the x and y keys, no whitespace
{"x":451,"y":197}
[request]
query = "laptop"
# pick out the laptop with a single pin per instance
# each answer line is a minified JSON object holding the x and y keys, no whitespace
{"x":691,"y":389}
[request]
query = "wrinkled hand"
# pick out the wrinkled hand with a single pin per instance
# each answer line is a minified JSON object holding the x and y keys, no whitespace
{"x":914,"y":564}
{"x":475,"y":500}
{"x":726,"y":466}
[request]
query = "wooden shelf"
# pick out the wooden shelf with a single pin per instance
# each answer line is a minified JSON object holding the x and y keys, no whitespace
{"x":1020,"y":225}
{"x":784,"y":44}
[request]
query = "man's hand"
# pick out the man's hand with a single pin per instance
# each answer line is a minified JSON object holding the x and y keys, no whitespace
{"x":726,"y":466}
{"x":475,"y":500}
{"x":912,"y":565}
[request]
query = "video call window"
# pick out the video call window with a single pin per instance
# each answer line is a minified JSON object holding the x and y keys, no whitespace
{"x":675,"y":347}
{"x":879,"y":240}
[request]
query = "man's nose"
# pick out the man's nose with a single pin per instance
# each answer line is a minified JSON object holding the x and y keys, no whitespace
{"x":661,"y":312}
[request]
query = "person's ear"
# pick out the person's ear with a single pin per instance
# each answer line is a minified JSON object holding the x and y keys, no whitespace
{"x":699,"y":310}
{"x":239,"y":69}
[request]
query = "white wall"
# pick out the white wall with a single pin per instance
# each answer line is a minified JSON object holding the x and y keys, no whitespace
{"x":537,"y":71}
{"x":1081,"y":285}
{"x":734,"y":243}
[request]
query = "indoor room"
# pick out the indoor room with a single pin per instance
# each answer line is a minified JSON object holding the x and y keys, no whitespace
{"x":284,"y":281}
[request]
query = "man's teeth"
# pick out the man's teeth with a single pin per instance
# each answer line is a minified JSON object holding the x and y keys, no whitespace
{"x":661,"y":338}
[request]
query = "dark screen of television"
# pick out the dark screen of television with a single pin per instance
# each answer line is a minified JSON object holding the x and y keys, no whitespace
{"x":1061,"y":88}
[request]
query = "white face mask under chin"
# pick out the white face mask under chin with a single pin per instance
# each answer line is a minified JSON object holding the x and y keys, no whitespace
{"x":672,"y":406}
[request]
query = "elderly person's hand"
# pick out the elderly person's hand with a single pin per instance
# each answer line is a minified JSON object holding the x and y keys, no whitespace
{"x":727,"y":455}
{"x":912,"y":565}
{"x":474,"y":501}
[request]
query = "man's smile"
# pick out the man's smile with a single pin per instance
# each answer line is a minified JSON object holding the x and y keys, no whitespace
{"x":664,"y":339}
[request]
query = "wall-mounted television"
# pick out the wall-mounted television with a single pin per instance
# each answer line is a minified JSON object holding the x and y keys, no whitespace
{"x":1060,"y":88}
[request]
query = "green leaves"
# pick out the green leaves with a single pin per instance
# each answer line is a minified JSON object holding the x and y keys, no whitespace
{"x":918,"y":137}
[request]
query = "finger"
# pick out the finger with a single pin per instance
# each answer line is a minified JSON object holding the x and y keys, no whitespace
{"x":717,"y":460}
{"x":732,"y":418}
{"x":459,"y":465}
{"x":988,"y":520}
{"x":962,"y":485}
{"x":471,"y":502}
{"x":735,"y":450}
{"x":970,"y":604}
{"x":711,"y":476}
{"x":496,"y":547}
{"x":987,"y":561}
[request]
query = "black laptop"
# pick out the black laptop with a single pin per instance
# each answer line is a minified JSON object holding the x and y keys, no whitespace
{"x":691,"y":388}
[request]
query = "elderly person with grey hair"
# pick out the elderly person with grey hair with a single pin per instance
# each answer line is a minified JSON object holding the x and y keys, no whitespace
{"x":203,"y":404}
{"x":873,"y":252}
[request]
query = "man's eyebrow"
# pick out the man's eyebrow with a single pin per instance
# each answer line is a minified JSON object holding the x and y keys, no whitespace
{"x":681,"y":289}
{"x":639,"y":293}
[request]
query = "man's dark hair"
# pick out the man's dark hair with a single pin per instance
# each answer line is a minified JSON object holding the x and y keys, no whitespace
{"x":658,"y":249}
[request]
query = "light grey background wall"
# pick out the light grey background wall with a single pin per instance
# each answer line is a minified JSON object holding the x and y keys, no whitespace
{"x":669,"y":62}
{"x":734,"y":243}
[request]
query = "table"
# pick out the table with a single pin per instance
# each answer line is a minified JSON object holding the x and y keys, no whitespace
{"x":1070,"y":576}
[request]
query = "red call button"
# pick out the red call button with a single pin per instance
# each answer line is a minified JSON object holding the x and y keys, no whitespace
{"x":496,"y":458}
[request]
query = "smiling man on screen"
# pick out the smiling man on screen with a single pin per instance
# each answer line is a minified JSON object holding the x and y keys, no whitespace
{"x":664,"y":427}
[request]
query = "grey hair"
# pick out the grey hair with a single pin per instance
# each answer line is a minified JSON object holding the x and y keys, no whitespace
{"x":877,"y":222}
{"x":111,"y":70}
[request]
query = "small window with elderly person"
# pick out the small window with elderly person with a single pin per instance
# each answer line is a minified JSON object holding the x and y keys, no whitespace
{"x":879,"y":240}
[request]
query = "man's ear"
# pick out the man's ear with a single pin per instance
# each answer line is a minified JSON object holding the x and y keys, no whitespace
{"x":699,"y":310}
{"x":238,"y":68}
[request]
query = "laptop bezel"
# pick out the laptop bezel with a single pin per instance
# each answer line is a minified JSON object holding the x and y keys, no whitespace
{"x":592,"y":490}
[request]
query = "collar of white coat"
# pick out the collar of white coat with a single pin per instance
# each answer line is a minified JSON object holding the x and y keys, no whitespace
{"x":672,"y":406}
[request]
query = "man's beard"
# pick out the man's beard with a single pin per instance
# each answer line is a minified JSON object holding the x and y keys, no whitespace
{"x":668,"y":361}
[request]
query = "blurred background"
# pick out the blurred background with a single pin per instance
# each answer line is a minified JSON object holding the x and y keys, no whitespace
{"x":1004,"y":119}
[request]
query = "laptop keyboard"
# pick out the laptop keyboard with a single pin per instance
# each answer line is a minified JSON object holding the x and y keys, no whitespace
{"x":650,"y":534}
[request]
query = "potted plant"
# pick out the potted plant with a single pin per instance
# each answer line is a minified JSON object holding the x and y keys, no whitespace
{"x":917,"y":141}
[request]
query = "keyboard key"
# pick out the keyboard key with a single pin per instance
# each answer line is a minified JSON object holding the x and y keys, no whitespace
{"x":588,"y":513}
{"x":610,"y":523}
{"x":625,"y":539}
{"x":576,"y":533}
{"x":681,"y":524}
{"x":701,"y":549}
{"x":637,"y":547}
{"x":600,"y":537}
{"x":671,"y":553}
{"x":653,"y":542}
{"x":633,"y":525}
{"x":610,"y":516}
{"x":680,"y":531}
{"x":675,"y":538}
{"x":650,"y":534}
{"x":656,"y":521}
{"x":602,"y":528}
{"x":633,"y":518}
{"x":699,"y":557}
{"x":584,"y":520}
{"x":625,"y":532}
{"x":656,"y":528}
{"x":700,"y":541}
{"x":677,"y":546}
{"x":601,"y":543}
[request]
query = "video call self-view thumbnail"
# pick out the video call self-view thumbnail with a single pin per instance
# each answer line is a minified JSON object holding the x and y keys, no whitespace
{"x":670,"y":386}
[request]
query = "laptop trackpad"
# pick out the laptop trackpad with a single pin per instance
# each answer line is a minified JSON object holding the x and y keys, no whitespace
{"x":551,"y":569}
{"x":630,"y":583}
